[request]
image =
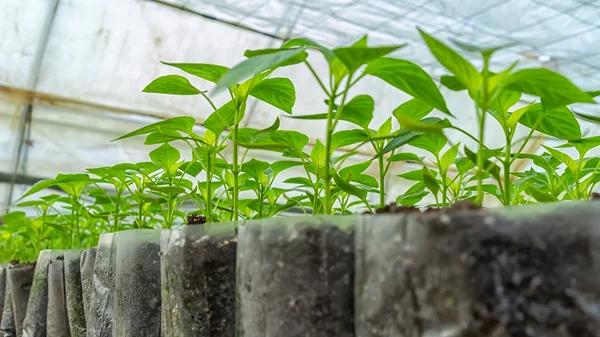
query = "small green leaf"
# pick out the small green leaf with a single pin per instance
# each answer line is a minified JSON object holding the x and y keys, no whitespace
{"x":406,"y":156}
{"x":222,"y":118}
{"x":355,"y":56}
{"x":449,"y":157}
{"x":293,"y":139}
{"x":430,"y":182}
{"x":492,"y":168}
{"x":414,"y":109}
{"x":302,"y":181}
{"x":255,"y":167}
{"x":515,"y":117}
{"x":583,"y":145}
{"x":303,"y":42}
{"x":506,"y":100}
{"x":261,"y":134}
{"x":410,"y":78}
{"x":165,"y":156}
{"x":413,"y":195}
{"x":346,"y":155}
{"x":282,"y":165}
{"x":565,"y":158}
{"x":431,"y":125}
{"x":172,"y":85}
{"x":279,"y":92}
{"x":385,"y":129}
{"x":184,"y":124}
{"x":318,"y":156}
{"x":354,"y":170}
{"x":452,"y":83}
{"x":39,"y":186}
{"x":557,"y":122}
{"x":554,"y":89}
{"x":209,"y":72}
{"x":358,"y":111}
{"x":191,"y":168}
{"x":430,"y":142}
{"x":348,"y":137}
{"x":349,"y":188}
{"x":258,"y":64}
{"x":464,"y":71}
{"x":161,"y":137}
{"x":540,"y":195}
{"x":415,"y":175}
{"x":402,"y":138}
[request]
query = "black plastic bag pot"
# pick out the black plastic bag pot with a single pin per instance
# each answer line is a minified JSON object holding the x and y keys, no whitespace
{"x":7,"y":322}
{"x":525,"y":271}
{"x":87,"y":258}
{"x":57,"y":322}
{"x":74,"y":294}
{"x":2,"y":288}
{"x":100,"y":316}
{"x":20,"y":279}
{"x":137,"y":297}
{"x":199,"y":281}
{"x":35,"y":322}
{"x":296,"y":277}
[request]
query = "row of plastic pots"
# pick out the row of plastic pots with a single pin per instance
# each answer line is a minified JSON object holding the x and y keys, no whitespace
{"x":514,"y":272}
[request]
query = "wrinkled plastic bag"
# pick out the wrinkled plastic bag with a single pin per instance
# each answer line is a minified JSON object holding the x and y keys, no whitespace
{"x":137,"y":298}
{"x":296,"y":277}
{"x":199,"y":280}
{"x":20,"y":279}
{"x":99,"y":322}
{"x":2,"y":288}
{"x":525,"y":271}
{"x":74,"y":294}
{"x":7,"y":322}
{"x":86,"y":267}
{"x":57,"y":323}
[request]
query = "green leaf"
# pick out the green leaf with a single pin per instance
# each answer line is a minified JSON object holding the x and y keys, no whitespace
{"x":358,"y":111}
{"x":414,"y":109}
{"x":385,"y":129}
{"x":222,"y":118}
{"x":255,"y":167}
{"x":354,"y":170}
{"x":298,"y":181}
{"x":540,"y":195}
{"x":209,"y":72}
{"x":39,"y":186}
{"x":172,"y":85}
{"x":349,"y":188}
{"x":402,"y":138}
{"x":318,"y":156}
{"x":430,"y":182}
{"x":583,"y":145}
{"x":449,"y":157}
{"x":413,"y":195}
{"x":191,"y":168}
{"x":430,"y":142}
{"x":184,"y":124}
{"x":303,"y":42}
{"x":566,"y":159}
{"x":293,"y":139}
{"x":261,"y":134}
{"x":557,"y":122}
{"x":348,"y":137}
{"x":452,"y":83}
{"x":282,"y":165}
{"x":279,"y":92}
{"x":431,"y":125}
{"x":355,"y":56}
{"x":365,"y":179}
{"x":406,"y":156}
{"x":346,"y":155}
{"x":515,"y":117}
{"x":506,"y":100}
{"x":165,"y":156}
{"x":258,"y":64}
{"x":554,"y":89}
{"x":410,"y":78}
{"x":415,"y":175}
{"x":589,"y":118}
{"x":464,"y":71}
{"x":161,"y":137}
{"x":492,"y":168}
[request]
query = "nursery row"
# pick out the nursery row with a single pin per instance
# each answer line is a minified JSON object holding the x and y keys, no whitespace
{"x":454,"y":272}
{"x":222,"y":181}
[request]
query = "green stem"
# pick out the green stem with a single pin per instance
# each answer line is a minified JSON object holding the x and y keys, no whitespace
{"x":116,"y":220}
{"x":235,"y":172}
{"x":507,"y":164}
{"x":381,"y":181}
{"x":208,"y":189}
{"x":327,"y":174}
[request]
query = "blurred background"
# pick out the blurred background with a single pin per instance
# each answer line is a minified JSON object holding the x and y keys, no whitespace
{"x":72,"y":71}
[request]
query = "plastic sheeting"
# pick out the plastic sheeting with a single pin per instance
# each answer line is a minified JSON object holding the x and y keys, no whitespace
{"x":85,"y":63}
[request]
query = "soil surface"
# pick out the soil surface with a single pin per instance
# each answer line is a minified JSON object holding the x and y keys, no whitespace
{"x":305,"y":286}
{"x":394,"y":208}
{"x":195,"y":219}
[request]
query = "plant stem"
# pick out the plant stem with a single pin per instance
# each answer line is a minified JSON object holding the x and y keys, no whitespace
{"x":506,"y":162}
{"x":116,"y":223}
{"x":208,"y":188}
{"x":381,"y":181}
{"x":235,"y":170}
{"x":480,"y":158}
{"x":327,"y":174}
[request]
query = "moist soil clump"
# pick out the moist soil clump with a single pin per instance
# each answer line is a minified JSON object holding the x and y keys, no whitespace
{"x":195,"y":219}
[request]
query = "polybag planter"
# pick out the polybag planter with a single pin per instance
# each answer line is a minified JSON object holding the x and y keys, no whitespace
{"x":35,"y":322}
{"x":100,"y":316}
{"x":7,"y":324}
{"x":199,"y":280}
{"x":525,"y":271}
{"x":20,"y":279}
{"x":296,"y":277}
{"x":2,"y":288}
{"x":57,"y":321}
{"x":87,"y":258}
{"x":137,"y":297}
{"x":74,"y":294}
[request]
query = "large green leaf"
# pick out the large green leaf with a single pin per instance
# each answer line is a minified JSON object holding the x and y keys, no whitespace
{"x":430,"y":142}
{"x":294,"y":139}
{"x":348,"y":137}
{"x":39,"y":186}
{"x":410,"y":78}
{"x":452,"y":83}
{"x":172,"y":85}
{"x":553,"y":88}
{"x":355,"y":56}
{"x":255,"y":167}
{"x":540,"y":195}
{"x":563,"y":157}
{"x":282,"y":165}
{"x":413,"y":195}
{"x":354,"y":170}
{"x":358,"y":111}
{"x":209,"y":72}
{"x":557,"y":122}
{"x":415,"y":109}
{"x":258,"y":64}
{"x":349,"y":188}
{"x":406,"y":156}
{"x":583,"y":145}
{"x":222,"y":118}
{"x":279,"y":92}
{"x":165,"y":156}
{"x":462,"y":69}
{"x":185,"y":124}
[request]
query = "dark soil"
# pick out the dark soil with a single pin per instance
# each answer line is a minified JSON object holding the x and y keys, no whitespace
{"x":207,"y":285}
{"x":307,"y":279}
{"x":458,"y":206}
{"x":60,"y":258}
{"x":195,"y":219}
{"x":595,"y":196}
